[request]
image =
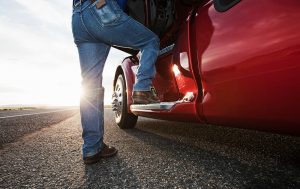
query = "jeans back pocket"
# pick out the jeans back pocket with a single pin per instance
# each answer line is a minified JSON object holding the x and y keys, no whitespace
{"x":108,"y":14}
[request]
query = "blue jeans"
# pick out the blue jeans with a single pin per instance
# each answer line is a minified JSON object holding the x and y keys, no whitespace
{"x":95,"y":31}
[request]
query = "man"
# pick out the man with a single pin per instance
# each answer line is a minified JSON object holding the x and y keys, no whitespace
{"x":96,"y":26}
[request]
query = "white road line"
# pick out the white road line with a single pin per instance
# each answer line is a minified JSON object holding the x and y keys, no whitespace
{"x":37,"y":113}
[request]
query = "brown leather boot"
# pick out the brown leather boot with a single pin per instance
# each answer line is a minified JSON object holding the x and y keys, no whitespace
{"x":145,"y":97}
{"x":106,"y":152}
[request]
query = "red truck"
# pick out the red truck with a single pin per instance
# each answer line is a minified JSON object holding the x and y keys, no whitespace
{"x":225,"y":62}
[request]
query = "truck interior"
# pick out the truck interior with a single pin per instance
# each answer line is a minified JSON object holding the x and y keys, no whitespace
{"x":163,"y":17}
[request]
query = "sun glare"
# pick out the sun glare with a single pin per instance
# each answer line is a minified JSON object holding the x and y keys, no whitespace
{"x":65,"y":97}
{"x":81,"y":92}
{"x":45,"y":70}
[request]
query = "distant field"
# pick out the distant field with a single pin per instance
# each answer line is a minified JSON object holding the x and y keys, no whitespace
{"x":37,"y":107}
{"x":17,"y":108}
{"x":7,"y":108}
{"x":107,"y":106}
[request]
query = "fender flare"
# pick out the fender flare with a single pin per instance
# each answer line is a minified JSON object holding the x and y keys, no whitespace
{"x":125,"y":69}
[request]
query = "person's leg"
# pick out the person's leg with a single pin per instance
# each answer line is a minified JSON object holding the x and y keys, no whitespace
{"x":116,"y":28}
{"x":92,"y":55}
{"x":92,"y":60}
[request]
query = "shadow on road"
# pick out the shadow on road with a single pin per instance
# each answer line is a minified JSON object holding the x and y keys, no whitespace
{"x":282,"y":147}
{"x":232,"y":157}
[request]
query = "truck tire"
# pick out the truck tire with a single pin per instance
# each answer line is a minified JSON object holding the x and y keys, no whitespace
{"x":123,"y":118}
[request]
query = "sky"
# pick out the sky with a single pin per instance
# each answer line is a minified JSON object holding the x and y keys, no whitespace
{"x":39,"y":63}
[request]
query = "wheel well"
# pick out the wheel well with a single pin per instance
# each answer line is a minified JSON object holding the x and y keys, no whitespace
{"x":127,"y":73}
{"x":118,"y":72}
{"x":128,"y":119}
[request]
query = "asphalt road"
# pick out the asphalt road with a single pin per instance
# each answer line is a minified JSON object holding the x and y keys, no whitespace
{"x":157,"y":154}
{"x":17,"y":123}
{"x":32,"y":111}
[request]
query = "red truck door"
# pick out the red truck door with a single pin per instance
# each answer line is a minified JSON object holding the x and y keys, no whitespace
{"x":248,"y":59}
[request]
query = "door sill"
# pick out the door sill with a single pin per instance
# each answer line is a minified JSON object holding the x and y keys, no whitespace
{"x":165,"y":106}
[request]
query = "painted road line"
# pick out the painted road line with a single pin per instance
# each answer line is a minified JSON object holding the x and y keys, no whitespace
{"x":20,"y":115}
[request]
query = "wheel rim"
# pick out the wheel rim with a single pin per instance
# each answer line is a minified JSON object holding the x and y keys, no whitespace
{"x":118,"y":100}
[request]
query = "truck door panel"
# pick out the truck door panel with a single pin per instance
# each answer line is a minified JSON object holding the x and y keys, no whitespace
{"x":249,"y":59}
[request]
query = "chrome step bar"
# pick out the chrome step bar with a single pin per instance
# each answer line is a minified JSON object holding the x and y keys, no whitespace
{"x":155,"y":107}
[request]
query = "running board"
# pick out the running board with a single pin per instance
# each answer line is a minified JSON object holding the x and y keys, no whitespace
{"x":158,"y":106}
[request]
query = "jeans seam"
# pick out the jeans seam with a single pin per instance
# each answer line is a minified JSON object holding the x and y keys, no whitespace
{"x":85,"y":28}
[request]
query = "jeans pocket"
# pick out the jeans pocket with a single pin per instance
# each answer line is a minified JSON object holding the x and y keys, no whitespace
{"x":108,"y":14}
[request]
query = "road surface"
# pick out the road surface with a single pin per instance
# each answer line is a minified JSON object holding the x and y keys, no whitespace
{"x":157,"y":154}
